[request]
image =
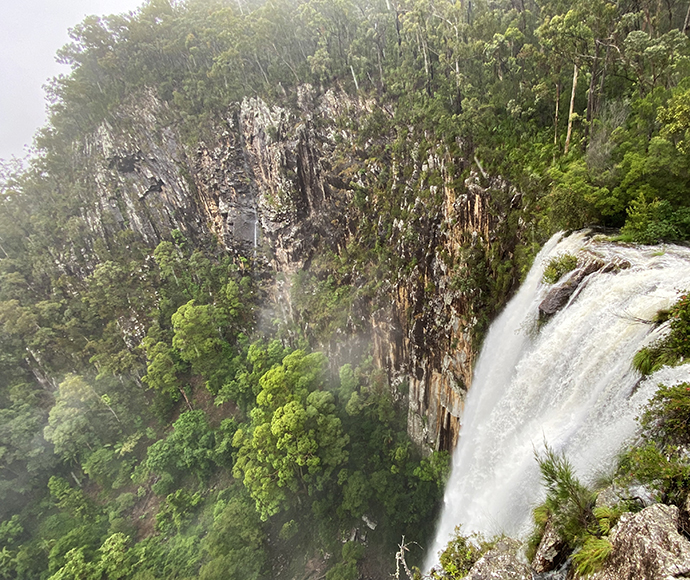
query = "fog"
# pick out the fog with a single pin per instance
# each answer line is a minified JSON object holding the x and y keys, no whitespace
{"x":30,"y":34}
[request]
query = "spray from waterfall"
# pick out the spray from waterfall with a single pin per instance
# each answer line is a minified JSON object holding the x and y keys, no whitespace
{"x":567,"y":382}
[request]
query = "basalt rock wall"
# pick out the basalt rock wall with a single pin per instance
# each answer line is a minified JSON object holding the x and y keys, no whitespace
{"x":272,"y":183}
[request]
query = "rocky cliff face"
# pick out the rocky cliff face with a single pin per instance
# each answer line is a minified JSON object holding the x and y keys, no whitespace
{"x":438,"y":343}
{"x":135,"y":176}
{"x":274,"y":184}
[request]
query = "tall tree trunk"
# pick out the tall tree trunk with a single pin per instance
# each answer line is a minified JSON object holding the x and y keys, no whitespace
{"x":555,"y":120}
{"x":591,"y":94}
{"x":397,"y":24}
{"x":570,"y":112}
{"x":458,"y":89}
{"x":354,"y":77}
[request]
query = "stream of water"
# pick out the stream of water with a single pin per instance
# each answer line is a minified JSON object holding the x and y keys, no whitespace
{"x":567,"y":383}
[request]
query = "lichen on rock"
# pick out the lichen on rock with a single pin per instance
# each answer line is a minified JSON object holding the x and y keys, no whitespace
{"x":647,"y":545}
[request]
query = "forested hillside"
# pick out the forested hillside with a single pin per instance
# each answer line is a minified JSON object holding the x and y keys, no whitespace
{"x":245,"y":274}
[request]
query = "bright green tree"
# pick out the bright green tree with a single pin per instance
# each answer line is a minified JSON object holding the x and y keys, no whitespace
{"x":295,"y":440}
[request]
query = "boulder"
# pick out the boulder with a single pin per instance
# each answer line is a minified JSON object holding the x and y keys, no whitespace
{"x":561,"y":292}
{"x":502,"y":562}
{"x":571,"y":283}
{"x":615,"y":494}
{"x":552,"y":551}
{"x":647,"y":546}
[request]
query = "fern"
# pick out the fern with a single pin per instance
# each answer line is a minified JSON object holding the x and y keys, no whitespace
{"x":592,"y":555}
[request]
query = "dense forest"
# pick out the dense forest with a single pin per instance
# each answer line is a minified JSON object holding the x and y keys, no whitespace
{"x":157,"y":418}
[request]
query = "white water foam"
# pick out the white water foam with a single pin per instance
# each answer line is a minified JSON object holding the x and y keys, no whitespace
{"x":569,"y":384}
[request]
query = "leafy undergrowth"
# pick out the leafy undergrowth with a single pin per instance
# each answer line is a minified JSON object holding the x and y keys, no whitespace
{"x":570,"y":508}
{"x":660,"y":461}
{"x":672,"y":349}
{"x":461,"y":553}
{"x":558,"y":267}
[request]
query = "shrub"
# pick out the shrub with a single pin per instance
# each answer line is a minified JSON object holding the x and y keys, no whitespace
{"x":663,"y":468}
{"x":608,"y":517}
{"x":461,"y":554}
{"x":288,"y":530}
{"x":176,"y":511}
{"x":674,"y":348}
{"x":666,"y":417}
{"x":569,"y":503}
{"x":347,"y":568}
{"x":557,"y":267}
{"x":655,"y":222}
{"x":661,"y":460}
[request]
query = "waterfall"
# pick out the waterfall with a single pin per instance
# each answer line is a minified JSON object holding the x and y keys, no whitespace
{"x":567,"y":382}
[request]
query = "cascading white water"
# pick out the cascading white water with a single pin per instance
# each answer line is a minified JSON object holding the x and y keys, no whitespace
{"x":569,"y":384}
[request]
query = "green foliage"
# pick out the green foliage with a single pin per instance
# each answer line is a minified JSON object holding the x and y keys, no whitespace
{"x":608,"y":517}
{"x":569,"y":503}
{"x":448,"y":87}
{"x":664,"y":468}
{"x":163,"y":367}
{"x":72,"y":501}
{"x":113,"y":561}
{"x":574,"y":200}
{"x":655,"y":222}
{"x":660,"y":461}
{"x":590,"y":557}
{"x":24,"y":455}
{"x":558,"y":267}
{"x":674,"y":348}
{"x":461,"y":554}
{"x":106,"y":467}
{"x":116,"y":561}
{"x":176,"y":511}
{"x":295,"y":440}
{"x":435,"y":467}
{"x":356,"y":493}
{"x":675,"y":117}
{"x":189,"y":449}
{"x":10,"y":530}
{"x":244,"y":386}
{"x":569,"y":507}
{"x":540,"y":518}
{"x":199,"y":341}
{"x":346,"y":569}
{"x":236,"y":543}
{"x":348,"y":382}
{"x":288,"y":530}
{"x":666,"y":417}
{"x":76,"y":422}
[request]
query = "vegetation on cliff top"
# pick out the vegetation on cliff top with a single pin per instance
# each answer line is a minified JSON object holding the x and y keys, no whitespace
{"x":150,"y":427}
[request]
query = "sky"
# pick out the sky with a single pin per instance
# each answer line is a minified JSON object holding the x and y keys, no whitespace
{"x":31,"y":32}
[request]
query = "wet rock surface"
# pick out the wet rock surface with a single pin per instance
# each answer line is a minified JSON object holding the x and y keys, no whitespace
{"x":574,"y":281}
